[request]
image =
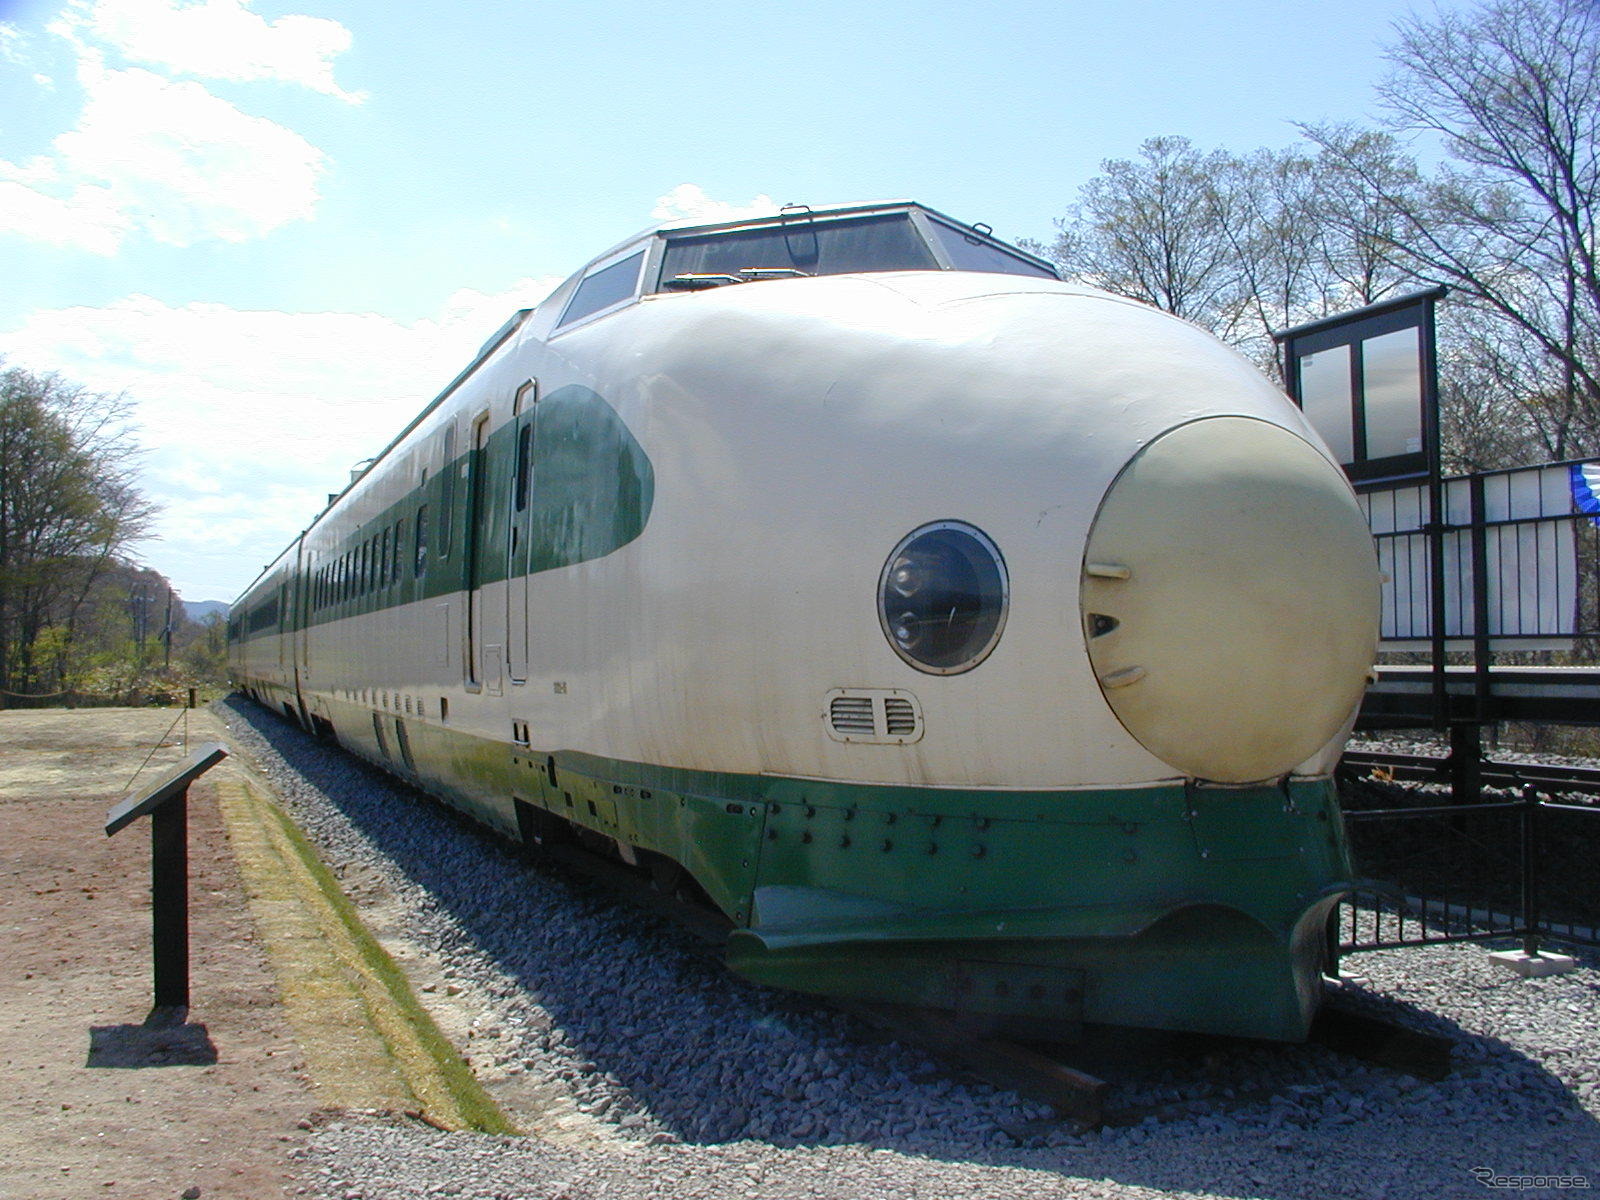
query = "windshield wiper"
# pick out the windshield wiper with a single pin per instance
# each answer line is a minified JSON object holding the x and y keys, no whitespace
{"x":695,"y":281}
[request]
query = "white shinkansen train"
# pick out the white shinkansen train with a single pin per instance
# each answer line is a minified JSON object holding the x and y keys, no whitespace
{"x":972,"y":639}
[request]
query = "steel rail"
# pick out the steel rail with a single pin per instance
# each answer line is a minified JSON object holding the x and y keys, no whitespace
{"x":1431,"y":768}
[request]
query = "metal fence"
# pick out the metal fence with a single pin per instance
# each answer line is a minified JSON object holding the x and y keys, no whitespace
{"x":1515,"y":868}
{"x":1519,"y":561}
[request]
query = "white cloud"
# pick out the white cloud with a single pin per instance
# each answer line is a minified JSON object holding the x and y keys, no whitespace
{"x":218,"y":39}
{"x":251,"y":418}
{"x":166,"y":157}
{"x":82,"y":215}
{"x":688,"y":201}
{"x":169,"y":159}
{"x":11,"y":44}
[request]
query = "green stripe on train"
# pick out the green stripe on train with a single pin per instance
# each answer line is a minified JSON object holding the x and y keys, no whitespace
{"x":588,"y":490}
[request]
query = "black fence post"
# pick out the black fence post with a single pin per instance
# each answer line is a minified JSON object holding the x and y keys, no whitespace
{"x":1482,"y":655}
{"x":169,"y":901}
{"x":1530,"y":859}
{"x":1466,"y":762}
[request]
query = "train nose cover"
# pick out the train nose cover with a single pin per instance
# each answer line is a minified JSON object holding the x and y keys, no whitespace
{"x":1230,"y":597}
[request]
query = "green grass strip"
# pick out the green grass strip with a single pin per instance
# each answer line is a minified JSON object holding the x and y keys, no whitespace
{"x":477,"y":1109}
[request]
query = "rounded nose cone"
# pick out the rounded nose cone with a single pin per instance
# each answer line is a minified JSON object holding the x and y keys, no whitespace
{"x":1230,"y":596}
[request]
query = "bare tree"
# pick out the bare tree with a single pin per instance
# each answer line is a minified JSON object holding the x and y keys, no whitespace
{"x":1488,"y":419}
{"x":1241,"y":246}
{"x":1294,"y":264}
{"x":1147,"y":229}
{"x":1511,"y":92}
{"x":69,"y":507}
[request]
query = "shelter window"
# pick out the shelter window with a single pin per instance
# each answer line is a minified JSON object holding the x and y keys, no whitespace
{"x":604,"y":288}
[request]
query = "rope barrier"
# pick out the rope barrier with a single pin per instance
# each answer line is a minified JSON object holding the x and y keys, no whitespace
{"x":182,"y":716}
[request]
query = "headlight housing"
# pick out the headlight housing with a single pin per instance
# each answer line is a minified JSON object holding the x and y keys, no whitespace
{"x":943,"y":596}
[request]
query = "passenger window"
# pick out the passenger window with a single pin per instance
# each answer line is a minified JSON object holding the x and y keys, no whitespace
{"x":604,"y":288}
{"x":420,"y":558}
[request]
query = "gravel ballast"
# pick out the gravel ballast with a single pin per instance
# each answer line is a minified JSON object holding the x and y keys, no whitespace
{"x":641,"y":1067}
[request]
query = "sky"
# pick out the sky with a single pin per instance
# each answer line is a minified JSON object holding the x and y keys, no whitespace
{"x":279,"y":229}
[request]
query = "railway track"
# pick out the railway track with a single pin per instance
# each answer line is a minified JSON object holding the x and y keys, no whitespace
{"x":1426,"y":768}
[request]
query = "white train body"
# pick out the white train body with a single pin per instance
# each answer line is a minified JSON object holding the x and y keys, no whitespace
{"x":1188,"y":601}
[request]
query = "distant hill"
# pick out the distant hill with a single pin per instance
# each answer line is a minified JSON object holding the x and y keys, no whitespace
{"x":199,"y":610}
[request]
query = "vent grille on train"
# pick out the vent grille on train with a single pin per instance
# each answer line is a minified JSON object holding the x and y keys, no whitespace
{"x":853,"y":714}
{"x":885,"y":716}
{"x":899,"y":718}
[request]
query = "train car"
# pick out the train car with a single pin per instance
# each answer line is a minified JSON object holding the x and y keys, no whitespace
{"x":260,"y":641}
{"x":972,"y":639}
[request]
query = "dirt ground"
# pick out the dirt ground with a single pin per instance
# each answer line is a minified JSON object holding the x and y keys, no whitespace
{"x":95,"y":1104}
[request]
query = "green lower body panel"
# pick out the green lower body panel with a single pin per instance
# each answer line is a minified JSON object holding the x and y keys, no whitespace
{"x":1171,"y":907}
{"x":1166,"y":906}
{"x":1200,"y":968}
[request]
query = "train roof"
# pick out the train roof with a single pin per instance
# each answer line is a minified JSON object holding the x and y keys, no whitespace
{"x":691,"y":254}
{"x":931,"y":225}
{"x":944,"y":242}
{"x":777,"y":215}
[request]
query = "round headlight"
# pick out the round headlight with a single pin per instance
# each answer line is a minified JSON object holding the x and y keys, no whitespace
{"x":942,"y":598}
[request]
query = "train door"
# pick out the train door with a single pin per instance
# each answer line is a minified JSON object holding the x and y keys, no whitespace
{"x":300,"y":629}
{"x":285,"y":625}
{"x":485,"y":626}
{"x":524,"y":416}
{"x":304,"y":612}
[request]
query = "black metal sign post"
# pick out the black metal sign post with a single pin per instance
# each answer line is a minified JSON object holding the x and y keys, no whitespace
{"x":167,"y":803}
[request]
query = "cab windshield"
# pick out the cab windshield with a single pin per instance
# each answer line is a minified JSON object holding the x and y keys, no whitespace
{"x":811,"y":247}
